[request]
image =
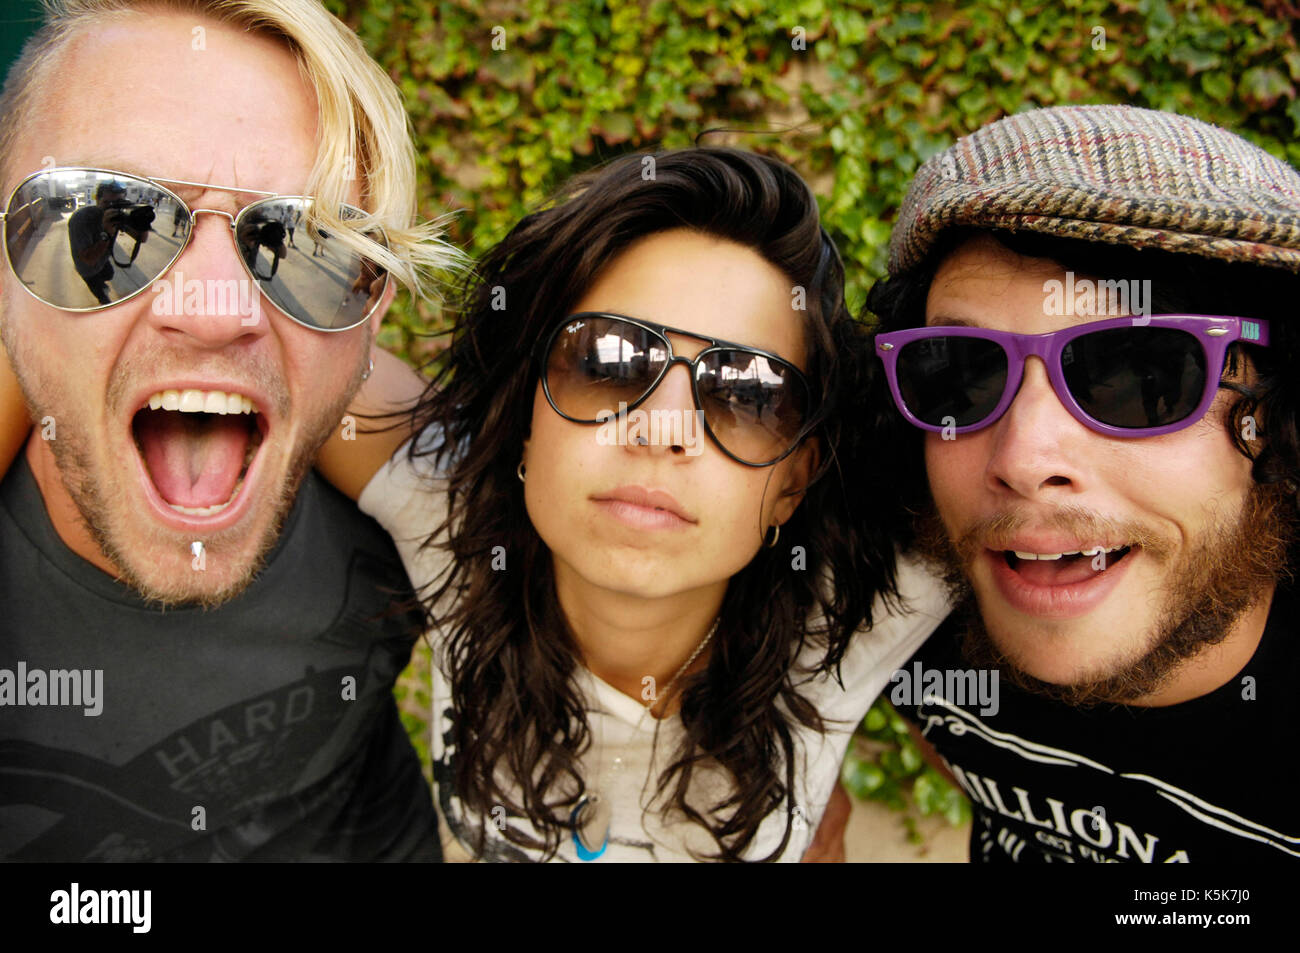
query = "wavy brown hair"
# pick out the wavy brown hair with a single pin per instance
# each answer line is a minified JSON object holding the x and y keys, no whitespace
{"x":521,"y":724}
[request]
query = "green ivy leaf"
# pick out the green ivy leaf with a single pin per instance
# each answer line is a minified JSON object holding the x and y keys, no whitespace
{"x":1195,"y":60}
{"x":1217,"y":86}
{"x":1264,"y":86}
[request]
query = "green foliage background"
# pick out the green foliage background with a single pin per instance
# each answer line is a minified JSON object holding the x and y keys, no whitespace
{"x":879,"y":87}
{"x":510,"y":97}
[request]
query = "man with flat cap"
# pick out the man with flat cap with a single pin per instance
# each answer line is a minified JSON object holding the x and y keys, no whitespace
{"x":1087,"y":334}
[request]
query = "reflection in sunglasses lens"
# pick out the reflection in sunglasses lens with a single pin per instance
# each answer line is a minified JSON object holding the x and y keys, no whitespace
{"x":81,"y":239}
{"x":305,"y":271}
{"x":1137,"y":376}
{"x":84,"y":239}
{"x":597,"y":363}
{"x":754,"y":405}
{"x":952,"y":380}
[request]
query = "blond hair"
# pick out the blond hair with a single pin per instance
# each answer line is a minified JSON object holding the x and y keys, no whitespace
{"x":364,"y":129}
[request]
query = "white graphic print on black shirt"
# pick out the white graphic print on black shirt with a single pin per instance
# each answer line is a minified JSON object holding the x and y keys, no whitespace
{"x":1210,"y":779}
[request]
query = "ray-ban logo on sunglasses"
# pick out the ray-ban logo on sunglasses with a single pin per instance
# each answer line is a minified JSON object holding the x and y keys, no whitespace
{"x":1087,"y":298}
{"x":654,"y":428}
{"x":175,"y":295}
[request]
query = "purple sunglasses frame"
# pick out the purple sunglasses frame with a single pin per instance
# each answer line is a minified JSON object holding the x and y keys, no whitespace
{"x":1214,"y":332}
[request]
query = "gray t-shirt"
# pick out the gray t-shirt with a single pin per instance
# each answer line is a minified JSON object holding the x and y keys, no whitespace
{"x":263,"y":730}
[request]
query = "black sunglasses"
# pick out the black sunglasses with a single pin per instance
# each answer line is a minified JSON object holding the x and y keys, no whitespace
{"x":82,"y":239}
{"x":755,"y":406}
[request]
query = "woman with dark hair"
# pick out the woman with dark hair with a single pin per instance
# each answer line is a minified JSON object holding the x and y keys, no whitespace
{"x":639,"y":627}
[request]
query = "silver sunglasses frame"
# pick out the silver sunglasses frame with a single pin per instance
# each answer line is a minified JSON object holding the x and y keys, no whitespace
{"x":193,"y":213}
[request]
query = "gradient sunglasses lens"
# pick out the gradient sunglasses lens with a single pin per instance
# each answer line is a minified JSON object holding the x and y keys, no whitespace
{"x":595,"y":363}
{"x":311,"y":275}
{"x":951,"y":380}
{"x":82,"y":239}
{"x":756,"y":406}
{"x":1138,"y":378}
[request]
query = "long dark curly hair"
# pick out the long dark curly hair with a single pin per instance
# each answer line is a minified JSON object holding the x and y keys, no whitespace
{"x":521,"y":725}
{"x":1180,"y":284}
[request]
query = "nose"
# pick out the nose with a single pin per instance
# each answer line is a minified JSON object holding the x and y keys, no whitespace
{"x":668,"y":423}
{"x":207,"y":299}
{"x":1037,"y":445}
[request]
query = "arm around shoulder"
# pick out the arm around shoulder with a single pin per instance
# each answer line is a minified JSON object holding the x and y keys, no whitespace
{"x":14,"y":421}
{"x":364,"y":442}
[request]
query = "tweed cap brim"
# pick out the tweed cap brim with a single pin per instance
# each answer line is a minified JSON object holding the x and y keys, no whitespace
{"x":1115,"y":174}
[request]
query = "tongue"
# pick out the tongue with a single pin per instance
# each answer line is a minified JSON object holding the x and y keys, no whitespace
{"x":194,"y":459}
{"x":1057,"y":572}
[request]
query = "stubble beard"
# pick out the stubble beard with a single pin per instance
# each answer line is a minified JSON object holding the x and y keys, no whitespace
{"x":105,"y":507}
{"x":1209,"y":588}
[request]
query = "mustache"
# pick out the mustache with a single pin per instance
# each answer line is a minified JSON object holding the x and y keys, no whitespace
{"x":160,"y":363}
{"x":997,"y":532}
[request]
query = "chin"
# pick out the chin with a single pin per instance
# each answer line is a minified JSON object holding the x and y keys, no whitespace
{"x":1058,"y":659}
{"x":161,"y":562}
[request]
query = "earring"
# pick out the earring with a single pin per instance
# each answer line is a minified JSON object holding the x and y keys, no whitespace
{"x":775,"y":536}
{"x":519,"y":471}
{"x":369,"y":370}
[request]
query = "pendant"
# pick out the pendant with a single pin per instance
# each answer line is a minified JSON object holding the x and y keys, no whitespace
{"x":590,"y":821}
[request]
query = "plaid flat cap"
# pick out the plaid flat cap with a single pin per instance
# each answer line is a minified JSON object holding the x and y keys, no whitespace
{"x":1114,"y":174}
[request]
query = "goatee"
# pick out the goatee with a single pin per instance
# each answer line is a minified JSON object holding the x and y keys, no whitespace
{"x":1230,"y":569}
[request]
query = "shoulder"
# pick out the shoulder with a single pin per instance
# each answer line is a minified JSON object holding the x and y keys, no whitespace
{"x":899,"y":627}
{"x":408,"y":497}
{"x":405,"y":485}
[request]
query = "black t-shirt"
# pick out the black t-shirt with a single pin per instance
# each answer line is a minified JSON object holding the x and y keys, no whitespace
{"x":262,"y":730}
{"x":1210,"y":779}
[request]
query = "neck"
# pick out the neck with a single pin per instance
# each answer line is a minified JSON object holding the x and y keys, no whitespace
{"x":1214,"y":665}
{"x":64,"y":515}
{"x":625,"y":639}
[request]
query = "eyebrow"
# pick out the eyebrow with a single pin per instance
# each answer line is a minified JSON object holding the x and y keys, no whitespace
{"x":945,"y":321}
{"x":117,"y":164}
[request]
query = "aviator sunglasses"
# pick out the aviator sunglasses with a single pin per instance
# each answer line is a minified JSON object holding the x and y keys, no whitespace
{"x":82,"y":239}
{"x":755,"y":406}
{"x":1124,"y":377}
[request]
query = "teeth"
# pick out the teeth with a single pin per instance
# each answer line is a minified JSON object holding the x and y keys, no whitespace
{"x":1085,"y":552}
{"x":201,"y":402}
{"x":208,"y":510}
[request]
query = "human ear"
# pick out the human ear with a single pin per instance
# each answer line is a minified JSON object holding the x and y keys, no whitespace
{"x":798,"y":471}
{"x":385,"y":302}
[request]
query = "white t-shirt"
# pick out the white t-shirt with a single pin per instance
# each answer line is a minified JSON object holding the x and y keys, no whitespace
{"x":407,"y":503}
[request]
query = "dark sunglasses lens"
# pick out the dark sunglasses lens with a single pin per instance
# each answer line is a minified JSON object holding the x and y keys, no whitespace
{"x":755,"y":406}
{"x":81,"y":239}
{"x":595,"y":363}
{"x":1136,"y":377}
{"x":306,"y":272}
{"x":952,"y":380}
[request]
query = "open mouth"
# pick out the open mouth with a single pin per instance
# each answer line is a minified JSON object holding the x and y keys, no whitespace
{"x":1064,"y":569}
{"x":197,"y":446}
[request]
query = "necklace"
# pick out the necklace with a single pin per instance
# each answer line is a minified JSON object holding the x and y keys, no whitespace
{"x":593,"y":815}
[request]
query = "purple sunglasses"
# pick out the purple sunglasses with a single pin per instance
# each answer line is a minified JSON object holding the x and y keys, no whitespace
{"x":1124,"y":377}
